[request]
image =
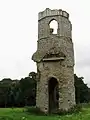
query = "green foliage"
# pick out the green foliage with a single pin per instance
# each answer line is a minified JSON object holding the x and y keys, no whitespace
{"x":18,"y":92}
{"x":28,"y":90}
{"x":82,"y":92}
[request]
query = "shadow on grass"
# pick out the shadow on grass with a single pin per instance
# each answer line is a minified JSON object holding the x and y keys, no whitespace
{"x":6,"y":118}
{"x":34,"y":111}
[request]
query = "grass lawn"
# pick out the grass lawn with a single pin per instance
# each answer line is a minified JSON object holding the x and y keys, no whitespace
{"x":20,"y":114}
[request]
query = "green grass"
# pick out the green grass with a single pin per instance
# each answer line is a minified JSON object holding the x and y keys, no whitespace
{"x":20,"y":114}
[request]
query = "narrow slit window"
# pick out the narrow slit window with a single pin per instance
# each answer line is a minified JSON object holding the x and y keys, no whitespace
{"x":53,"y":27}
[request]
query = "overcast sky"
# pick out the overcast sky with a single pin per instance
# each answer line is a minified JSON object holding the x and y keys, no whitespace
{"x":19,"y":34}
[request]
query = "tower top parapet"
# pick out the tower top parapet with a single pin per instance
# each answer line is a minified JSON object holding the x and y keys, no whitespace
{"x":55,"y":12}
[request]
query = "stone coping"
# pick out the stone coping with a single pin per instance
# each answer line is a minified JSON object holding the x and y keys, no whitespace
{"x":54,"y":12}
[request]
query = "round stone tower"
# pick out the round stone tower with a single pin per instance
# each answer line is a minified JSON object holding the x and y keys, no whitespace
{"x":55,"y":62}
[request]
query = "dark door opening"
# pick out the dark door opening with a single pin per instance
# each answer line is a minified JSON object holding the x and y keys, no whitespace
{"x":53,"y":95}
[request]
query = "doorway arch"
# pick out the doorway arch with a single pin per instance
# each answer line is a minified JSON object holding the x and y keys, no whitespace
{"x":53,"y":94}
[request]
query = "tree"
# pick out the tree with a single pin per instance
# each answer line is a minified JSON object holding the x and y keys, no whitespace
{"x":81,"y":90}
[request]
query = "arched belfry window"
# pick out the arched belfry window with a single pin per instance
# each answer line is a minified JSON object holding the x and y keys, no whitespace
{"x":53,"y":26}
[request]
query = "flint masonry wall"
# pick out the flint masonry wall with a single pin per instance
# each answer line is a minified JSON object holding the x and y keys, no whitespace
{"x":51,"y":49}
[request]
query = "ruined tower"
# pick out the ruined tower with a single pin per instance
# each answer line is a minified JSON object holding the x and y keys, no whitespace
{"x":55,"y":62}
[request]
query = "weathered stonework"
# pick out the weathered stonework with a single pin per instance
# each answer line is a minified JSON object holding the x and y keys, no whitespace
{"x":55,"y":62}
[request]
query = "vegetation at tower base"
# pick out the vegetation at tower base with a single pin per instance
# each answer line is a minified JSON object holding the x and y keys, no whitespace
{"x":37,"y":111}
{"x":19,"y":93}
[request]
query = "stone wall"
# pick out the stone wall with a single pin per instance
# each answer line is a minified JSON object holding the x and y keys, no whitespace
{"x":66,"y":85}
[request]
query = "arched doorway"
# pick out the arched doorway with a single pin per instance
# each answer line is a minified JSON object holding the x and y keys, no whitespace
{"x":53,"y":94}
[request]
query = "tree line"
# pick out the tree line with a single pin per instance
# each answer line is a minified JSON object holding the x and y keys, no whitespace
{"x":19,"y":93}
